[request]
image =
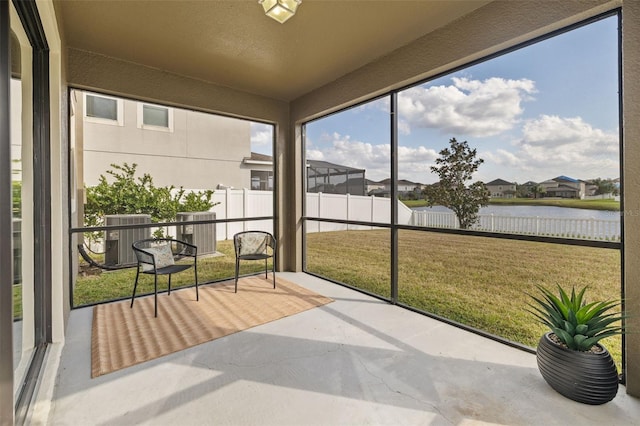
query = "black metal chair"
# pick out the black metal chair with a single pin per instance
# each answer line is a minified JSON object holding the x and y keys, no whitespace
{"x":159,"y":256}
{"x":255,"y":245}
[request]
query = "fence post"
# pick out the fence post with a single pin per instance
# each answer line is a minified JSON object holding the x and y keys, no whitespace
{"x":348,"y":209}
{"x":319,"y":210}
{"x":245,"y":207}
{"x":227,"y":207}
{"x":373,"y":207}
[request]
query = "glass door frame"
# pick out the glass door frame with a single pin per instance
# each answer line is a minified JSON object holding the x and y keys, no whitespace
{"x":30,"y":19}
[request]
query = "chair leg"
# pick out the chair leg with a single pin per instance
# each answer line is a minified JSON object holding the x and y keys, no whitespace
{"x":135,"y":286}
{"x":169,"y":292}
{"x":265,"y":269}
{"x":237,"y":270}
{"x":155,"y":294}
{"x":273,"y":272}
{"x":195,"y":269}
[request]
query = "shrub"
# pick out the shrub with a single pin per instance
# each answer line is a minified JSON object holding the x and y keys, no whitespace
{"x":128,"y":194}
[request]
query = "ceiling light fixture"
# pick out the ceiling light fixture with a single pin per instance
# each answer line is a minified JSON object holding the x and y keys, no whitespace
{"x":280,"y":10}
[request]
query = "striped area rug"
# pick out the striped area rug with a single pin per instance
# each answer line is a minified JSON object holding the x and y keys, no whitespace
{"x":122,"y":336}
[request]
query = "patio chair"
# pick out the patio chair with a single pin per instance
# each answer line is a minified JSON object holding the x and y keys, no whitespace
{"x":255,"y":245}
{"x":163,"y":256}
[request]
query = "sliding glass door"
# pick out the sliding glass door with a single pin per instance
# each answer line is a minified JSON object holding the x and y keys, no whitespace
{"x":25,"y":267}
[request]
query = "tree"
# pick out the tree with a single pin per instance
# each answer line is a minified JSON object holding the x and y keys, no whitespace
{"x":522,"y":191}
{"x":455,"y":167}
{"x":538,"y":189}
{"x":605,"y":186}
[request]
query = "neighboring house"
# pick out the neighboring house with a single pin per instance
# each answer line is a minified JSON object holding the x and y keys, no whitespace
{"x":322,"y":176}
{"x":261,"y":166}
{"x":331,"y":178}
{"x":564,"y":187}
{"x":404,"y":187}
{"x":527,"y":189}
{"x":353,"y":186}
{"x":500,"y":188}
{"x":175,"y":146}
{"x":373,"y":187}
{"x":590,"y":188}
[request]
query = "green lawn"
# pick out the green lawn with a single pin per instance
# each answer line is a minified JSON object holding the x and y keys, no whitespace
{"x":610,"y":205}
{"x":481,"y":282}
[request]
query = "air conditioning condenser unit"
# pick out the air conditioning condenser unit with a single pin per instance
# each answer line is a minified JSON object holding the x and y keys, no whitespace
{"x":118,"y":242}
{"x":202,"y":235}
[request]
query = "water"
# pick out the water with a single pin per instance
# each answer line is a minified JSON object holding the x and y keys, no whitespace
{"x":540,"y":211}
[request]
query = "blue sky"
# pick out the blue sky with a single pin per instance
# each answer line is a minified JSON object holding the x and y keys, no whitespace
{"x":546,"y":110}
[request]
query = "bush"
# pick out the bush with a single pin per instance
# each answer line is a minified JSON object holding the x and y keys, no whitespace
{"x":128,"y":194}
{"x":16,"y":190}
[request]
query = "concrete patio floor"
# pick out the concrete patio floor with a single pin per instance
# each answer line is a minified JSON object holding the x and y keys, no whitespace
{"x":355,"y":361}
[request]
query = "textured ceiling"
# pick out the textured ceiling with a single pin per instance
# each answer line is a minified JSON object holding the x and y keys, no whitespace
{"x":232,"y":43}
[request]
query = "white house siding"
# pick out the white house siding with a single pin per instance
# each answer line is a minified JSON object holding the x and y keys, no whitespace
{"x":202,"y":151}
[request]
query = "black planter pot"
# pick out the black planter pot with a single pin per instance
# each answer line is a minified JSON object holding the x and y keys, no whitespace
{"x":590,"y":378}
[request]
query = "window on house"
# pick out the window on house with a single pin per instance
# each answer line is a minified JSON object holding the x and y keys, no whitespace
{"x":261,"y":180}
{"x":99,"y":107}
{"x":103,"y":109}
{"x":155,"y":117}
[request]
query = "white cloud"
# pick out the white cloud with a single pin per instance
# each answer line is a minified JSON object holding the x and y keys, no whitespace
{"x":567,"y":141}
{"x":553,"y":132}
{"x":504,"y":158}
{"x":375,"y":159}
{"x":468,"y":107}
{"x":404,"y":128}
{"x":261,"y":138}
{"x":315,"y":154}
{"x":552,"y":146}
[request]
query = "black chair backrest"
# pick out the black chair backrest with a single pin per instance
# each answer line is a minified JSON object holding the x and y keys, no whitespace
{"x":178,"y":248}
{"x":253,"y":242}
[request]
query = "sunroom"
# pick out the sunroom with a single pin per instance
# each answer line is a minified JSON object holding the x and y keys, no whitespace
{"x":188,"y":90}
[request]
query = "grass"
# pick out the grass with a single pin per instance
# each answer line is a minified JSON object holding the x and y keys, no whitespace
{"x":609,"y":205}
{"x":481,"y":282}
{"x":113,"y":285}
{"x":17,"y":301}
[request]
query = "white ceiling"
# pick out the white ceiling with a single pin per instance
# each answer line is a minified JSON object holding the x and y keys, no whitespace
{"x":232,"y":43}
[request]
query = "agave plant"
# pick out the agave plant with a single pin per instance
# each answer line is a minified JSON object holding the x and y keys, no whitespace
{"x":578,"y":324}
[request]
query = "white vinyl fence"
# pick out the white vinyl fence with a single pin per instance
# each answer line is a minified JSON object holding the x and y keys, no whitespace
{"x":240,"y":203}
{"x":351,"y":207}
{"x":590,"y":229}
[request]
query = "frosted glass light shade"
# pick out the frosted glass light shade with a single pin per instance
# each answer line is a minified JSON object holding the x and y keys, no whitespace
{"x":280,"y":10}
